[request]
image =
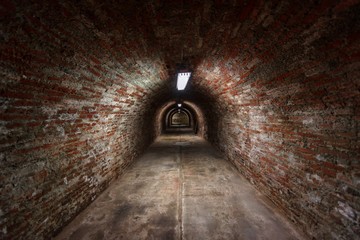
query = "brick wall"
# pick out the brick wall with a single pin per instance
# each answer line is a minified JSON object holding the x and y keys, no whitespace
{"x":284,"y":91}
{"x":74,"y":96}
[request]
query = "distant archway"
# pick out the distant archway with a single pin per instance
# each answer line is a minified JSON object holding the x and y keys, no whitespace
{"x":168,"y":119}
{"x":179,"y":119}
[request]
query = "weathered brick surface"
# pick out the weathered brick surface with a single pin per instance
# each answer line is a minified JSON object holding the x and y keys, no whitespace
{"x":285,"y":110}
{"x":73,"y":99}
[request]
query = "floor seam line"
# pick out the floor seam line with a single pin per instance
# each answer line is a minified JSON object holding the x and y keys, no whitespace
{"x":181,"y":188}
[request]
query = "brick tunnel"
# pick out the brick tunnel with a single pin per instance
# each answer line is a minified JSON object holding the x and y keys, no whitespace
{"x":265,"y":143}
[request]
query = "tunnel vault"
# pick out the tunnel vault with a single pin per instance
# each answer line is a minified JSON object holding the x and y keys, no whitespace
{"x":86,"y":87}
{"x":179,"y":118}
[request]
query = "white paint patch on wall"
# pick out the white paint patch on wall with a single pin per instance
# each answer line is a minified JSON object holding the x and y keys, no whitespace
{"x":347,"y":211}
{"x":314,"y":198}
{"x":320,"y":157}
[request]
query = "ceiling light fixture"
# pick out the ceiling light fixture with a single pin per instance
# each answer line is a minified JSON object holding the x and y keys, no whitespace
{"x":182,"y":80}
{"x":179,"y":104}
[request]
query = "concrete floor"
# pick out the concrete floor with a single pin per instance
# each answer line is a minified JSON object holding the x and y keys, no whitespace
{"x":181,"y":188}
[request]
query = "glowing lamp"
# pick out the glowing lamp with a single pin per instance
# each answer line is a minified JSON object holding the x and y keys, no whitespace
{"x":182,"y":80}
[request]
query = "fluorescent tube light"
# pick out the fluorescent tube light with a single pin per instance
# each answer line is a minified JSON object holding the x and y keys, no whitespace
{"x":182,"y":80}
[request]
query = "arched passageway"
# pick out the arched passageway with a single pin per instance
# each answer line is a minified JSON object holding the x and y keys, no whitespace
{"x":87,"y":86}
{"x":179,"y":118}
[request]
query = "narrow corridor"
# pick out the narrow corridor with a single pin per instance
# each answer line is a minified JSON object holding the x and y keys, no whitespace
{"x":181,"y":188}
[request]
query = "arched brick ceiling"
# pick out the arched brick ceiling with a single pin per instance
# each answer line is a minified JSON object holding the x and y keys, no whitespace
{"x":234,"y":40}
